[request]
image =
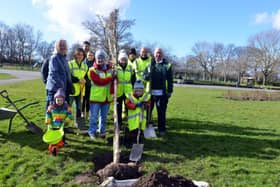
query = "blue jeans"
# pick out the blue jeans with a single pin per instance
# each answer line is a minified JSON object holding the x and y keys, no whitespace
{"x":95,"y":109}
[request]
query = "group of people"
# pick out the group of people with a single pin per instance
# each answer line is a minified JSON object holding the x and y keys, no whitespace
{"x":87,"y":80}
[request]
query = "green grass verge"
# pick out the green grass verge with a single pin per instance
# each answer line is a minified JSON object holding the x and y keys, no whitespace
{"x":6,"y":76}
{"x":227,"y":143}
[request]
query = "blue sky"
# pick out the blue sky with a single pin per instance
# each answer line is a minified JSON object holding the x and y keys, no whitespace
{"x":176,"y":24}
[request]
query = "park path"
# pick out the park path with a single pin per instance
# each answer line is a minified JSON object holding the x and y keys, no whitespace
{"x":20,"y":76}
{"x":223,"y":87}
{"x":30,"y":75}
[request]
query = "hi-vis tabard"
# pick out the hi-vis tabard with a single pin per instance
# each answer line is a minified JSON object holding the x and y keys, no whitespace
{"x":124,"y":80}
{"x":78,"y":71}
{"x":100,"y":93}
{"x":141,"y":66}
{"x":134,"y":115}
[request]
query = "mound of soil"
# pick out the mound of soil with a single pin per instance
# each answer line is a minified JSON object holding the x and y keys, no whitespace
{"x":119,"y":171}
{"x":105,"y":168}
{"x":162,"y":179}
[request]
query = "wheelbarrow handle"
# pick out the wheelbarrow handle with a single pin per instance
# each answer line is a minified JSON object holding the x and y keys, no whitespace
{"x":4,"y":93}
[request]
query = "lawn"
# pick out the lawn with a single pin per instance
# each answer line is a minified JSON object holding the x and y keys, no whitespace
{"x":224,"y":142}
{"x":5,"y":76}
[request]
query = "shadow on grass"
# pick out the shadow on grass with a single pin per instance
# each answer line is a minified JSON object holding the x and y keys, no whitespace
{"x":192,"y":139}
{"x":80,"y":148}
{"x":23,"y":138}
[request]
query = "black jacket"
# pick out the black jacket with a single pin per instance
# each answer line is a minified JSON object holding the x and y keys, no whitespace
{"x":160,"y":75}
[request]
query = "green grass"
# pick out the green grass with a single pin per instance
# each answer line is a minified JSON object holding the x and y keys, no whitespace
{"x":227,"y":143}
{"x":5,"y":76}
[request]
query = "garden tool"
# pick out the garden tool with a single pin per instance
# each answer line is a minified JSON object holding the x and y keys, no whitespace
{"x":30,"y":125}
{"x":137,"y":149}
{"x":149,"y":131}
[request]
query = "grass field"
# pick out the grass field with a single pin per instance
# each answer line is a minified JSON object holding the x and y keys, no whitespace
{"x":224,"y":142}
{"x":5,"y":76}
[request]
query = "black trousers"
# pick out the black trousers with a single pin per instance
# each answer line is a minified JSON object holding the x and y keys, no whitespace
{"x":85,"y":104}
{"x":161,"y":104}
{"x":120,"y":101}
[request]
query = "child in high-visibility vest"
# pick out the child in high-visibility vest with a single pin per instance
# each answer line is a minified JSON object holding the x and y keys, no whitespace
{"x":136,"y":103}
{"x":58,"y":114}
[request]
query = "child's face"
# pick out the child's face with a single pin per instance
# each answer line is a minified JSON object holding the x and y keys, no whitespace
{"x":59,"y":101}
{"x":138,"y":92}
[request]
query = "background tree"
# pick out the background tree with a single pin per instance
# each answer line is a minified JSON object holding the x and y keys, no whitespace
{"x":45,"y":49}
{"x":110,"y":33}
{"x":224,"y":58}
{"x":241,"y":59}
{"x":206,"y":55}
{"x":265,"y":48}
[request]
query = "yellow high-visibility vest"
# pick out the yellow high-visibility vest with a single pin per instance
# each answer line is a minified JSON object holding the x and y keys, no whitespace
{"x":100,"y":93}
{"x":79,"y":72}
{"x":134,"y":115}
{"x":124,"y":80}
{"x":141,"y":66}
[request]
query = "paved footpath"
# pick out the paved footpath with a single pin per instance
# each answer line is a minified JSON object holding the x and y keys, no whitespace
{"x":20,"y":76}
{"x":30,"y":75}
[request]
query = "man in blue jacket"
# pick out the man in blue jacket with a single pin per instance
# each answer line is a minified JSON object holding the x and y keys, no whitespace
{"x":160,"y":75}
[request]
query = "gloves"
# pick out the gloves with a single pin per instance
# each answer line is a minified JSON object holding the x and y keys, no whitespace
{"x":138,"y":104}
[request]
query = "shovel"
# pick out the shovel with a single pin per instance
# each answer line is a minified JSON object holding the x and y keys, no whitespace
{"x":149,"y":131}
{"x":137,"y":149}
{"x":30,"y":125}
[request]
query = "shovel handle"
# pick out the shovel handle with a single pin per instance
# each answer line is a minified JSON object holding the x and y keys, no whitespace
{"x":4,"y":93}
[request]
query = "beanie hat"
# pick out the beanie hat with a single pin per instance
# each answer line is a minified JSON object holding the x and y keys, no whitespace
{"x":138,"y":85}
{"x":59,"y":93}
{"x":132,"y":51}
{"x":122,"y":55}
{"x":100,"y":54}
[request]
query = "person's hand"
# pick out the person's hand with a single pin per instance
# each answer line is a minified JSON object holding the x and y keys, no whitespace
{"x":138,"y":104}
{"x":82,"y":81}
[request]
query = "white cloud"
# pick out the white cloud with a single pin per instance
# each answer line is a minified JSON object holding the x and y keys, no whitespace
{"x":66,"y":16}
{"x":273,"y":18}
{"x":262,"y":18}
{"x":276,"y":20}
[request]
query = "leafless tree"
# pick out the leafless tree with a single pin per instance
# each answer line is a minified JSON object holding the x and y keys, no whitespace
{"x":206,"y":55}
{"x":224,"y":58}
{"x":110,"y":33}
{"x":241,"y":59}
{"x":265,"y":48}
{"x":26,"y":42}
{"x":45,"y":49}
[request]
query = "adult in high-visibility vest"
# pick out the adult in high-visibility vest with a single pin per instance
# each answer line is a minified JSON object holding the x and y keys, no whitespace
{"x":142,"y":62}
{"x":136,"y":102}
{"x":101,"y":77}
{"x":85,"y":105}
{"x":132,"y":61}
{"x":159,"y":72}
{"x":125,"y":75}
{"x":78,"y":71}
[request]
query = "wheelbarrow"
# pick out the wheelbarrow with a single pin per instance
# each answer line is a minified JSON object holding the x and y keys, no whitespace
{"x":54,"y":137}
{"x":7,"y":113}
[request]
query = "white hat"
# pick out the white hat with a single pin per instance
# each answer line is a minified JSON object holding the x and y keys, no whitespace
{"x":100,"y":54}
{"x":138,"y":85}
{"x":122,"y":55}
